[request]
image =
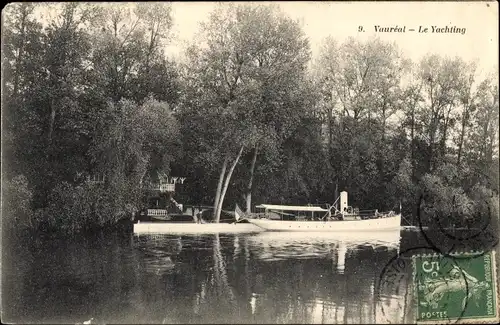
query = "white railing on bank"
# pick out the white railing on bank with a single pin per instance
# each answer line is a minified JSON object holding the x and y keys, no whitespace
{"x":157,"y":212}
{"x":164,"y":188}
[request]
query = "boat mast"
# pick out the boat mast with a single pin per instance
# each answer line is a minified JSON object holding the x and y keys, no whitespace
{"x":333,"y":206}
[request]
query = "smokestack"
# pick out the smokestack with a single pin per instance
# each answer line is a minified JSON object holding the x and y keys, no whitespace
{"x":343,"y":201}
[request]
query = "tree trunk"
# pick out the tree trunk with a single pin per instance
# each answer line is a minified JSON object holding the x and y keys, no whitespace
{"x":462,"y":136}
{"x":384,"y":119}
{"x":430,"y":154}
{"x":226,"y":185}
{"x":432,"y":129}
{"x":489,"y":157}
{"x":492,"y":130}
{"x":20,"y":53}
{"x":336,"y":194}
{"x":250,"y":182}
{"x":412,"y":143}
{"x":432,"y":138}
{"x":484,"y":139}
{"x":219,"y":187}
{"x":445,"y":132}
{"x":51,"y":122}
{"x":330,"y":133}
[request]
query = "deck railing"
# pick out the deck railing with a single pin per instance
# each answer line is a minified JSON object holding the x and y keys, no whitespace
{"x":163,"y":187}
{"x":157,"y":212}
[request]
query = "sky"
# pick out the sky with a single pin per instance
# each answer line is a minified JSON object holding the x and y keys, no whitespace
{"x":341,"y":20}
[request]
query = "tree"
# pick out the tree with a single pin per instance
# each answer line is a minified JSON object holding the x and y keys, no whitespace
{"x":484,"y":137}
{"x":45,"y":87}
{"x":441,"y":78}
{"x":359,"y":76}
{"x":412,"y":101}
{"x":467,"y":101}
{"x":361,"y":92}
{"x":133,"y":141}
{"x":243,"y":79}
{"x":277,"y":56}
{"x":127,"y":58}
{"x":22,"y":57}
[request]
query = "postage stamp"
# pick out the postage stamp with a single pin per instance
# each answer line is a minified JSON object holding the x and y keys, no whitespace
{"x":456,"y":290}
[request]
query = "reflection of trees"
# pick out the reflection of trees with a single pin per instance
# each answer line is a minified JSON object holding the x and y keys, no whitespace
{"x":220,"y":274}
{"x":71,"y":280}
{"x":394,"y":305}
{"x":229,"y":274}
{"x":213,"y":279}
{"x":224,"y":275}
{"x":215,"y":290}
{"x":224,"y":294}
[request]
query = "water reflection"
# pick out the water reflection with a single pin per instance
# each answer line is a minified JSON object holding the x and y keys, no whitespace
{"x":341,"y":252}
{"x":258,"y":278}
{"x":295,"y":245}
{"x":156,"y":253}
{"x":317,"y":278}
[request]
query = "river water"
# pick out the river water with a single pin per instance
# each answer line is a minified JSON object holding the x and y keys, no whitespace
{"x":244,"y":278}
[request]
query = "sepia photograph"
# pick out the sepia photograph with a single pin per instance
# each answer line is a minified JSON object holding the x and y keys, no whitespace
{"x":298,"y":162}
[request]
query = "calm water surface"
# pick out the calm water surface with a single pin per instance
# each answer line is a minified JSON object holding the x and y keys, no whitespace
{"x":244,"y":278}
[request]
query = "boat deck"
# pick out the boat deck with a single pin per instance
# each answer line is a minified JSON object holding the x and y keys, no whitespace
{"x":194,"y":228}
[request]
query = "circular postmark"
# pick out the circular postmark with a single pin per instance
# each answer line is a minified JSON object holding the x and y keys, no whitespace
{"x":474,"y":233}
{"x":392,"y":289}
{"x":420,"y":289}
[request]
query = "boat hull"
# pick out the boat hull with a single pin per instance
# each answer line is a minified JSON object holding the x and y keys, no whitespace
{"x":380,"y":224}
{"x":193,"y":228}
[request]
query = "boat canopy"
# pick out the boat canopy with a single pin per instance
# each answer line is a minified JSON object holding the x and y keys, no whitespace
{"x":291,"y":208}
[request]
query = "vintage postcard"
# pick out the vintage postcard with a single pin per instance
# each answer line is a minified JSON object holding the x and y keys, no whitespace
{"x":250,"y":162}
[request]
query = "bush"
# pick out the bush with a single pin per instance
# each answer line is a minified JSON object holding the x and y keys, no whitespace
{"x":66,"y":210}
{"x":16,"y":204}
{"x":447,"y":202}
{"x":74,"y":208}
{"x":486,"y":207}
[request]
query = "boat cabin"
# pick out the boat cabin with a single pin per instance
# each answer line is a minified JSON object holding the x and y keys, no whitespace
{"x":318,"y":213}
{"x":283,"y":212}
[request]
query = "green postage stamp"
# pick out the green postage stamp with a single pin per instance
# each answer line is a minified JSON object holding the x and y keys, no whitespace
{"x":456,"y":289}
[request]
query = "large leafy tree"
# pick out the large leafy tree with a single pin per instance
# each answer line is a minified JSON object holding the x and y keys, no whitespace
{"x":360,"y":84}
{"x":246,"y":81}
{"x":442,"y":81}
{"x":64,"y":86}
{"x":127,"y":58}
{"x":46,"y":83}
{"x":22,"y":63}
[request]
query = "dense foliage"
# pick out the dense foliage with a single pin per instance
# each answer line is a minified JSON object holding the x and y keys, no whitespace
{"x":93,"y":109}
